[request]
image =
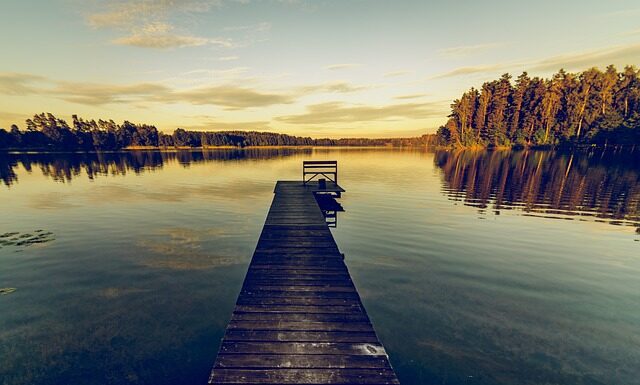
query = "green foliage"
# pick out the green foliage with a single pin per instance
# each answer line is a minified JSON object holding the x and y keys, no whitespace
{"x":45,"y":131}
{"x":589,"y":107}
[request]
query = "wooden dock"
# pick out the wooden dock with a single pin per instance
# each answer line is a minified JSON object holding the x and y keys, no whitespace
{"x":299,"y":318}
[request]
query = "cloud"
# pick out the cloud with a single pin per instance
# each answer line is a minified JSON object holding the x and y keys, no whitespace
{"x":123,"y":13}
{"x":338,"y":112}
{"x":334,"y":67}
{"x":623,"y":13}
{"x":466,"y":50}
{"x":622,"y":54}
{"x":395,"y":73}
{"x":161,"y":35}
{"x":8,"y":118}
{"x":331,"y":87}
{"x":212,"y":124}
{"x":228,"y":58}
{"x":410,"y":96}
{"x":15,"y":83}
{"x":228,"y":73}
{"x":98,"y":94}
{"x":246,"y":35}
{"x":228,"y":96}
{"x":184,"y":249}
{"x":160,"y":41}
{"x":632,"y":32}
{"x":145,"y":24}
{"x":471,"y":70}
{"x":260,"y":27}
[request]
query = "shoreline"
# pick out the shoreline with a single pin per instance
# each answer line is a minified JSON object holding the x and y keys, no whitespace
{"x":184,"y":148}
{"x":474,"y":148}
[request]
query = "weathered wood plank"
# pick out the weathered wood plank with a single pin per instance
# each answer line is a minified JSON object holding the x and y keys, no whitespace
{"x":356,"y":316}
{"x":298,"y":289}
{"x":298,"y":318}
{"x":299,"y":336}
{"x":301,"y":326}
{"x":304,"y":376}
{"x":317,"y":361}
{"x":256,"y":268}
{"x":292,"y":281}
{"x":277,"y":347}
{"x":299,"y":294}
{"x":296,"y":301}
{"x":271,"y":308}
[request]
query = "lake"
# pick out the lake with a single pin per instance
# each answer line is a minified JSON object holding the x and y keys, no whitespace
{"x":474,"y":267}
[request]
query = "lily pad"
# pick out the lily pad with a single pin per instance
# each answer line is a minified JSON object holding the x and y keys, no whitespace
{"x":22,"y":240}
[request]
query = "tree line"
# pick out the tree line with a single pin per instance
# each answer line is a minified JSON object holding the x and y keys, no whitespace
{"x":590,"y":107}
{"x":45,"y":131}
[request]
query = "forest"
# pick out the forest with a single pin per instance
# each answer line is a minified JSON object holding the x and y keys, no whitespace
{"x":46,"y":132}
{"x":587,"y":108}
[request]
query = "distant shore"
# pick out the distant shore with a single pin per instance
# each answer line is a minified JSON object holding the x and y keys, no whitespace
{"x":200,"y":148}
{"x":472,"y":148}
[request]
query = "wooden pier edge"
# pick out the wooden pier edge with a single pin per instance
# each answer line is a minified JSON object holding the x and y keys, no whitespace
{"x":298,"y":318}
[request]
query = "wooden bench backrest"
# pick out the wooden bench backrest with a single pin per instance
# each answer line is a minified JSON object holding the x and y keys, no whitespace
{"x":316,"y":168}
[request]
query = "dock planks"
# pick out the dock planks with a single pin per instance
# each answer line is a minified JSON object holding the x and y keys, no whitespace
{"x":298,"y":318}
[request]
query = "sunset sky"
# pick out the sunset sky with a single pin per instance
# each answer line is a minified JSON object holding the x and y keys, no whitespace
{"x":314,"y":68}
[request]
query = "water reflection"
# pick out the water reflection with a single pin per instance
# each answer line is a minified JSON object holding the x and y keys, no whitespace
{"x":142,"y":270}
{"x":603,"y":186}
{"x":19,"y":240}
{"x":63,"y":167}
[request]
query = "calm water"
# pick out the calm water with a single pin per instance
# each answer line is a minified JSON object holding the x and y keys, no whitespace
{"x":476,"y":268}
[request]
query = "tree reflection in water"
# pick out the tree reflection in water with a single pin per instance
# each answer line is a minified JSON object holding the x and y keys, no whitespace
{"x":600,"y":184}
{"x":63,"y":167}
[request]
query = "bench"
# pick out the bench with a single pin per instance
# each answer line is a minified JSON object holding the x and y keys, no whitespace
{"x":315,"y":168}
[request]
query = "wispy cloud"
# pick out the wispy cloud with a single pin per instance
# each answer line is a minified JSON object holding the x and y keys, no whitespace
{"x":99,"y":94}
{"x":226,"y":95}
{"x":228,"y":58}
{"x":627,"y":54}
{"x":460,"y":71}
{"x":228,"y":73}
{"x":410,"y":96}
{"x":260,"y":27}
{"x":339,"y":112}
{"x":466,"y":50}
{"x":16,"y":83}
{"x":163,"y":41}
{"x":632,"y":32}
{"x":331,"y":87}
{"x":6,"y":116}
{"x":124,"y":13}
{"x":393,"y":74}
{"x":211,"y":123}
{"x":623,"y":13}
{"x":342,"y":66}
{"x":621,"y":55}
{"x":146,"y":24}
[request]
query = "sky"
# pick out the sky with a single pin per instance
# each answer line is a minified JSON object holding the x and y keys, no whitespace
{"x":319,"y":68}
